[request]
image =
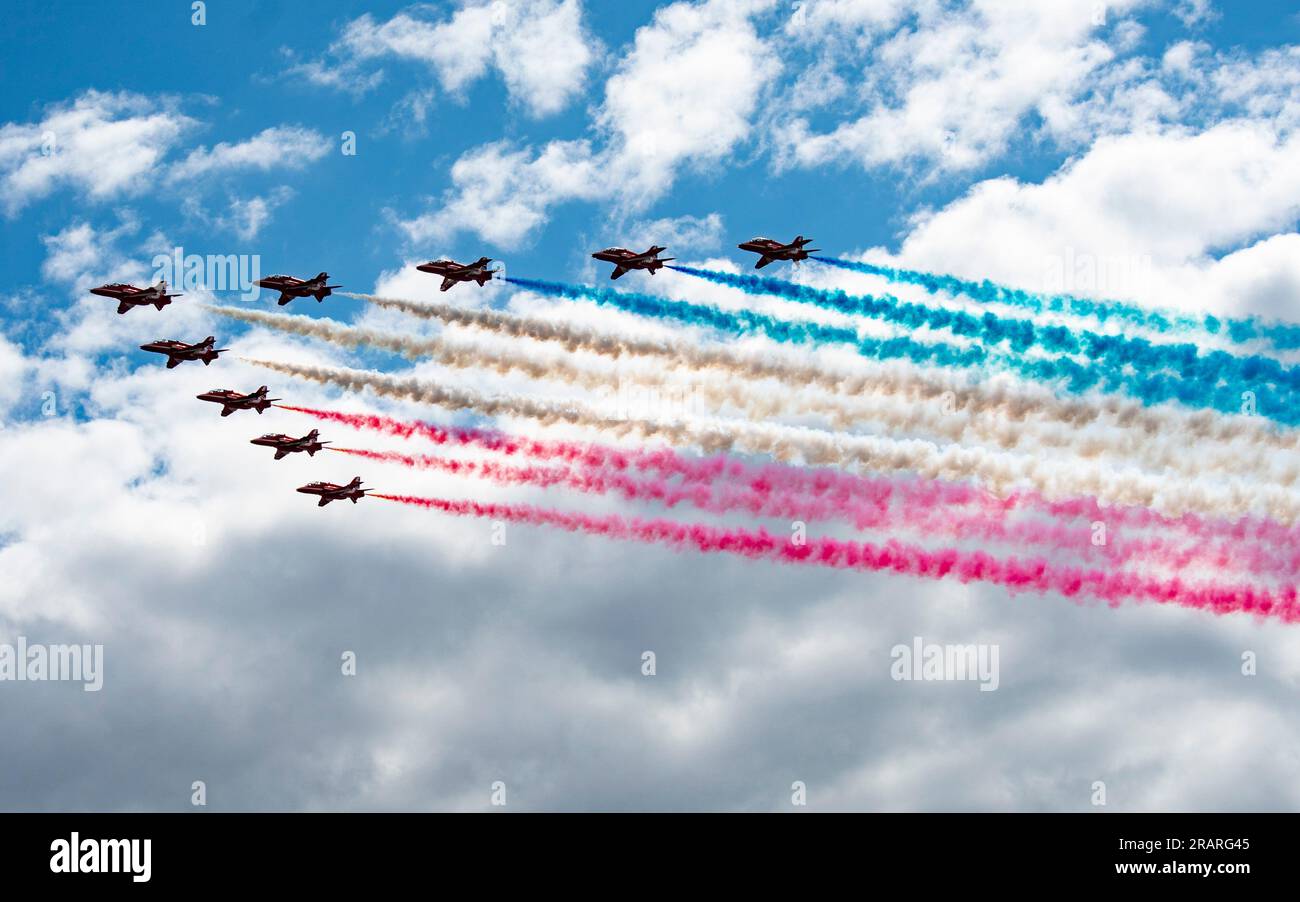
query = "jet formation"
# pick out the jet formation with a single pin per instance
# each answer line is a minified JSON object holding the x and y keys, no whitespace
{"x":290,"y":287}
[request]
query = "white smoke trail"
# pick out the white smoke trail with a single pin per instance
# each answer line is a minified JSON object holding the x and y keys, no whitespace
{"x":1024,"y":417}
{"x":998,"y":472}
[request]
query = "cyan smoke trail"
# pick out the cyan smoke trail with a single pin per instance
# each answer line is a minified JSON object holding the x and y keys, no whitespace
{"x":1109,"y":352}
{"x":1189,"y":380}
{"x":1022,"y":416}
{"x":1282,"y":336}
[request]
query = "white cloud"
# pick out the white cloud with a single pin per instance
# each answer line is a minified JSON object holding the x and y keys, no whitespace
{"x":952,"y":90}
{"x":79,"y":254}
{"x":539,"y":47}
{"x":1195,"y":12}
{"x":245,"y":216}
{"x":342,"y":77}
{"x":103,"y":144}
{"x":503,"y":194}
{"x":684,"y":95}
{"x":1189,"y":86}
{"x":698,"y":233}
{"x":248,"y":215}
{"x":13,"y":372}
{"x":279,"y":147}
{"x":1172,"y":201}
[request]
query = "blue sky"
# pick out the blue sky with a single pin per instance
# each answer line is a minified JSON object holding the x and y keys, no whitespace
{"x":982,"y":139}
{"x":230,"y":74}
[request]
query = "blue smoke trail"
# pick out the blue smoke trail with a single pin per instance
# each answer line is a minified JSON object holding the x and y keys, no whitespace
{"x":1115,"y":351}
{"x":1282,"y":336}
{"x":1149,"y":388}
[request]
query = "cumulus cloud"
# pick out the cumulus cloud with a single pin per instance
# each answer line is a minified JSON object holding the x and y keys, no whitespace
{"x":503,"y":194}
{"x":102,"y":144}
{"x":765,"y":675}
{"x":109,"y":146}
{"x":278,"y":147}
{"x":1181,"y":209}
{"x":683,"y":95}
{"x":245,"y":217}
{"x":540,"y":49}
{"x":699,"y":233}
{"x":952,"y":88}
{"x":480,"y":662}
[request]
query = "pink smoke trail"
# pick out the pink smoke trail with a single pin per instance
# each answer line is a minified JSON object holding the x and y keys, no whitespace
{"x":1016,"y":575}
{"x":865,"y":500}
{"x":920,"y":519}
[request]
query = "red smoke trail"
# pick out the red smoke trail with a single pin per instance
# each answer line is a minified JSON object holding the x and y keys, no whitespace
{"x":1035,"y":575}
{"x":865,"y":501}
{"x":668,"y":462}
{"x":919,"y":519}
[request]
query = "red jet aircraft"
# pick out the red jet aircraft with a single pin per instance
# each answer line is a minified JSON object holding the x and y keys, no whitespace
{"x":128,"y":296}
{"x":290,"y":287}
{"x":328,"y":491}
{"x":625,"y":260}
{"x":453,"y":272}
{"x":769,"y":250}
{"x":285,"y":445}
{"x":231,"y":401}
{"x":178,"y":351}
